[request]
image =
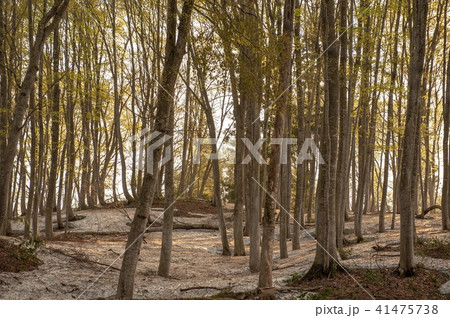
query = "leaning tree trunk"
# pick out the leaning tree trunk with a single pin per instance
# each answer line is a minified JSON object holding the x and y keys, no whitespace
{"x":214,"y":162}
{"x":175,"y":50}
{"x":46,"y":26}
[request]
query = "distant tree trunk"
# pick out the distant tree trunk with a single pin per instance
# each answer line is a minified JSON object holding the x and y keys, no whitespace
{"x":46,"y":26}
{"x":86,"y":151}
{"x":214,"y":162}
{"x":33,"y":141}
{"x":133,"y":58}
{"x":51,"y":194}
{"x":299,"y":208}
{"x":381,"y":225}
{"x":286,"y":171}
{"x":118,"y":134}
{"x":409,"y":153}
{"x":60,"y":188}
{"x":70,"y":134}
{"x":185,"y":128}
{"x":446,"y":182}
{"x":285,"y":66}
{"x":239,"y":116}
{"x":395,"y":193}
{"x":285,"y":189}
{"x":312,"y":204}
{"x":175,"y":50}
{"x":373,"y":121}
{"x":364,"y":149}
{"x":445,"y":202}
{"x":344,"y":129}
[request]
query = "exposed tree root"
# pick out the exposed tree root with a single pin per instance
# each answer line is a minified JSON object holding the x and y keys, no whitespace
{"x":386,"y":247}
{"x":317,"y":271}
{"x":408,"y":273}
{"x":81,"y":258}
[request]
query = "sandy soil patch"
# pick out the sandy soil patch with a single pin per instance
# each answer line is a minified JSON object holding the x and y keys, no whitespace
{"x":75,"y":263}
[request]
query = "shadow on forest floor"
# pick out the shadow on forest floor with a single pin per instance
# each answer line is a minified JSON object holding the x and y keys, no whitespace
{"x":72,"y":261}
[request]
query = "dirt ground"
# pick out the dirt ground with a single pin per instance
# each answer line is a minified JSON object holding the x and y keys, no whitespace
{"x":75,"y":265}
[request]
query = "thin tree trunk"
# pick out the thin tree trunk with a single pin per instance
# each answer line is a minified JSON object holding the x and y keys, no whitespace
{"x":285,"y":66}
{"x":299,"y":208}
{"x":46,"y":26}
{"x":409,"y":153}
{"x":175,"y":49}
{"x":344,"y":129}
{"x":381,"y":224}
{"x":51,"y":194}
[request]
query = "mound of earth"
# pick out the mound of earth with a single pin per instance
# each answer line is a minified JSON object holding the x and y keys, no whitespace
{"x":14,"y":258}
{"x":381,"y":283}
{"x":433,"y":247}
{"x":190,"y":208}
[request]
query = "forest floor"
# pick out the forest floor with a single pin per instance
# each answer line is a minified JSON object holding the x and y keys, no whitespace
{"x":74,"y":265}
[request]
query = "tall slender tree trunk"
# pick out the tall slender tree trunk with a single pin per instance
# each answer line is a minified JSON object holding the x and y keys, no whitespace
{"x":446,"y":182}
{"x":409,"y":153}
{"x":51,"y":194}
{"x":251,"y":90}
{"x":381,"y":225}
{"x":214,"y":162}
{"x":299,"y":208}
{"x":285,"y":66}
{"x":33,"y":141}
{"x":175,"y":50}
{"x":46,"y":26}
{"x":344,"y":129}
{"x":239,"y":116}
{"x":185,"y":128}
{"x":117,"y":111}
{"x":326,"y":251}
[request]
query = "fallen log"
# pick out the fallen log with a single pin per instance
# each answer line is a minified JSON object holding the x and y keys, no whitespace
{"x":389,"y":246}
{"x":290,"y":289}
{"x":153,"y":229}
{"x":228,"y":288}
{"x":187,"y":227}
